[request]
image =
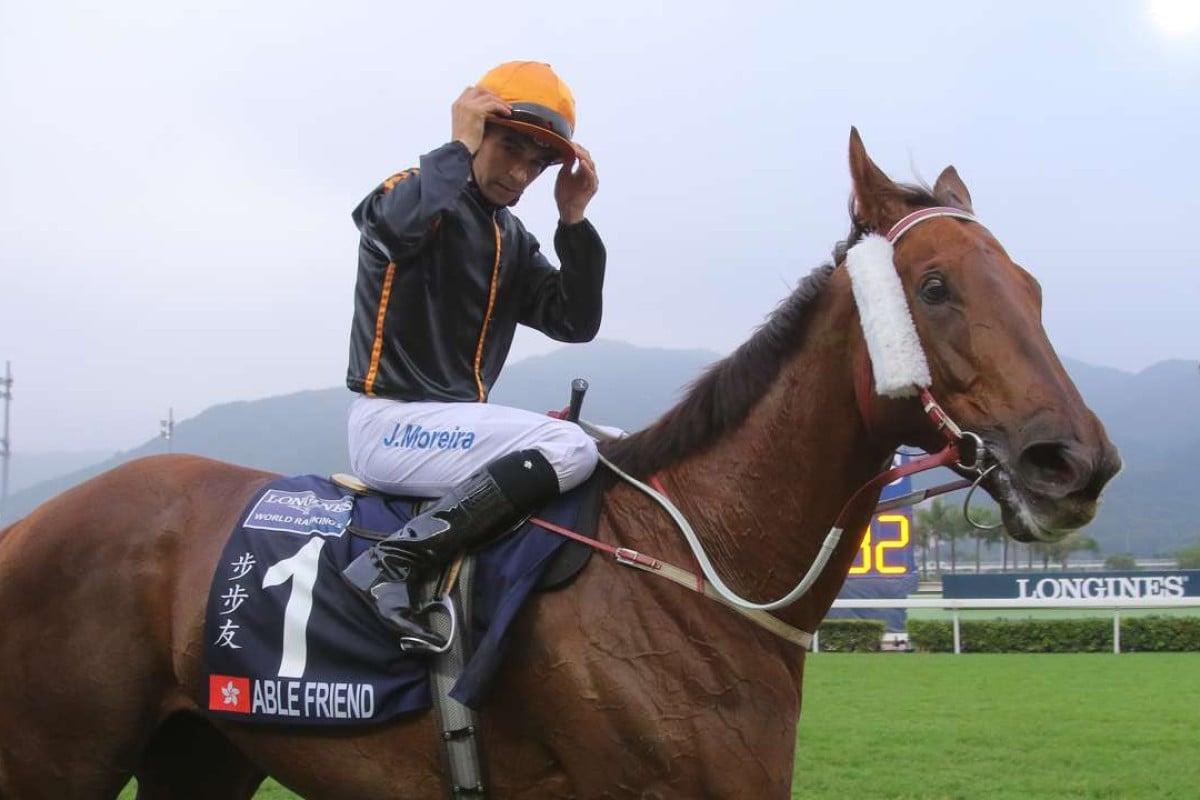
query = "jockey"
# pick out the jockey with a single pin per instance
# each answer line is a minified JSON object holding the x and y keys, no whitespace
{"x":445,"y":274}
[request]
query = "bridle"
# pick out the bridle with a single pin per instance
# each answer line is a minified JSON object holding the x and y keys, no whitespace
{"x":964,"y":451}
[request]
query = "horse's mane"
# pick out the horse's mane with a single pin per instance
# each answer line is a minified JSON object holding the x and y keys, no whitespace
{"x":721,"y":399}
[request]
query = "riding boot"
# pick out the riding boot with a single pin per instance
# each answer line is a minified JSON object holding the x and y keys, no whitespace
{"x":481,"y":509}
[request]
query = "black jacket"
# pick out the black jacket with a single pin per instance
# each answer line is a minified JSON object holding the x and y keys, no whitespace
{"x":444,"y":277}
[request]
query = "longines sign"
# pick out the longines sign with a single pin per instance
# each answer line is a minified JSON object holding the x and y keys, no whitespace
{"x":1072,"y":585}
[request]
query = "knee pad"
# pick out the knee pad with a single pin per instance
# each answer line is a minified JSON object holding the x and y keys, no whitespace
{"x":526,"y":477}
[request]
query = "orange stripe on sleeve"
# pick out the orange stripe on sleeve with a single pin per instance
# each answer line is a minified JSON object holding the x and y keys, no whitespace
{"x":399,"y":176}
{"x":377,"y":347}
{"x":487,"y":317}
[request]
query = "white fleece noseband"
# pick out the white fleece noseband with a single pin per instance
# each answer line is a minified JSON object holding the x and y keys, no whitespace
{"x":898,"y":362}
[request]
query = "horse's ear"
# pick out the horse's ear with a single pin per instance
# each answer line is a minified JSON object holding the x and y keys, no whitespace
{"x":950,"y":190}
{"x":878,"y":201}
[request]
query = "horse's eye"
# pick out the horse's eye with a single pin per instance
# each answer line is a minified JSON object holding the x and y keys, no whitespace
{"x":934,"y":290}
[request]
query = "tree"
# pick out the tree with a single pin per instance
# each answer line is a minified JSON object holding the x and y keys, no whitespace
{"x":960,"y":529}
{"x":953,"y":535}
{"x":1061,"y":550}
{"x":921,"y":537}
{"x":1120,"y":561}
{"x":937,"y":520}
{"x":1189,"y":557}
{"x":988,"y":535}
{"x":1078,"y":544}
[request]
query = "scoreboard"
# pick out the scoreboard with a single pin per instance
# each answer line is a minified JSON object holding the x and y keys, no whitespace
{"x":884,"y":566}
{"x":886,"y":549}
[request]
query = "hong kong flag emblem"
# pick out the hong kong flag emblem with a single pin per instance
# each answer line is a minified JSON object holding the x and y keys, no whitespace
{"x":227,"y":693}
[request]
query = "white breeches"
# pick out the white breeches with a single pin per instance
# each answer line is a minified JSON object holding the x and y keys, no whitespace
{"x":425,"y":449}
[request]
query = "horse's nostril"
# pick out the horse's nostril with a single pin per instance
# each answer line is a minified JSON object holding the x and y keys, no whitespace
{"x":1053,"y":468}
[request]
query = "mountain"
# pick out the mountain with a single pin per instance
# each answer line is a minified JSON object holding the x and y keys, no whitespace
{"x":28,"y":469}
{"x":1153,"y":416}
{"x":302,"y":432}
{"x":630,"y":386}
{"x":1154,"y":410}
{"x":306,"y":431}
{"x":1150,"y":508}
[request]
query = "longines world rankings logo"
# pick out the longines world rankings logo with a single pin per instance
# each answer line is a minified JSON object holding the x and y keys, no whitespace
{"x":301,"y":513}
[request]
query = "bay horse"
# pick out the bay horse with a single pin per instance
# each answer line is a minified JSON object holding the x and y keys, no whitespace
{"x":622,"y":685}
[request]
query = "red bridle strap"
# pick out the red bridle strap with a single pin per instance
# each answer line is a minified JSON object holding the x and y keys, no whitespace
{"x":920,"y":215}
{"x":943,"y":458}
{"x":941,"y":420}
{"x":623,"y":554}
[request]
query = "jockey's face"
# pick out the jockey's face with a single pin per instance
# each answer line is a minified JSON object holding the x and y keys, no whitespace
{"x":506,"y":163}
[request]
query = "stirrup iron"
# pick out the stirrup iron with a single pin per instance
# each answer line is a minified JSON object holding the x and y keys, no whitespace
{"x":414,"y":644}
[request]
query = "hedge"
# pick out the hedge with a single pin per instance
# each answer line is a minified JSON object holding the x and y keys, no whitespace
{"x":1092,"y":635}
{"x":1160,"y":634}
{"x":851,"y":635}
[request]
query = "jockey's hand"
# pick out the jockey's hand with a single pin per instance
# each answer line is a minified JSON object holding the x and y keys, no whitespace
{"x":577,"y":184}
{"x":469,"y":114}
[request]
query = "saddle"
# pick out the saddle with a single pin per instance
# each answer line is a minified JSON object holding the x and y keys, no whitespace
{"x":564,"y":565}
{"x":286,"y":643}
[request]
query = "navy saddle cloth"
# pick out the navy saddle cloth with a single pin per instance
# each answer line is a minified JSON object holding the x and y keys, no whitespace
{"x":287,"y":641}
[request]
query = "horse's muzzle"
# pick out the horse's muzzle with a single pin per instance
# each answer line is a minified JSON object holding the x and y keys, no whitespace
{"x":1052,"y":487}
{"x":1067,"y":470}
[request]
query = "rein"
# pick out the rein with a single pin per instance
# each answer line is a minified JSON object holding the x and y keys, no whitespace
{"x":964,"y":450}
{"x":709,"y":583}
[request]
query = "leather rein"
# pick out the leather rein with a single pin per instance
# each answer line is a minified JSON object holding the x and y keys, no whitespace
{"x":964,"y":450}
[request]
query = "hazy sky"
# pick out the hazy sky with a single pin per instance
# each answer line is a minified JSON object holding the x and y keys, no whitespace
{"x":176,"y":178}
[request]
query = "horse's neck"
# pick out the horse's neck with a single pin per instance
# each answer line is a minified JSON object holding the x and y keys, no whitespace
{"x":763,"y":497}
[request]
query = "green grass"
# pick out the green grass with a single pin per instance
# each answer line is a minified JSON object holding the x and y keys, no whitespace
{"x":1000,"y":726}
{"x":269,"y":791}
{"x":941,"y":727}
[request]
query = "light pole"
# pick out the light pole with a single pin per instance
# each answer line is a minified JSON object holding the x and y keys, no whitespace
{"x":166,"y":427}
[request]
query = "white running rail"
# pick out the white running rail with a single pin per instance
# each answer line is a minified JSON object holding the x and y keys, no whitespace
{"x":1116,"y":605}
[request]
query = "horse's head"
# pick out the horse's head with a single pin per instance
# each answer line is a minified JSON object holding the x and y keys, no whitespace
{"x":978,"y":317}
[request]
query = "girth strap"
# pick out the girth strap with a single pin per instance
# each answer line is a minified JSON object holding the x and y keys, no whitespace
{"x":458,"y":726}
